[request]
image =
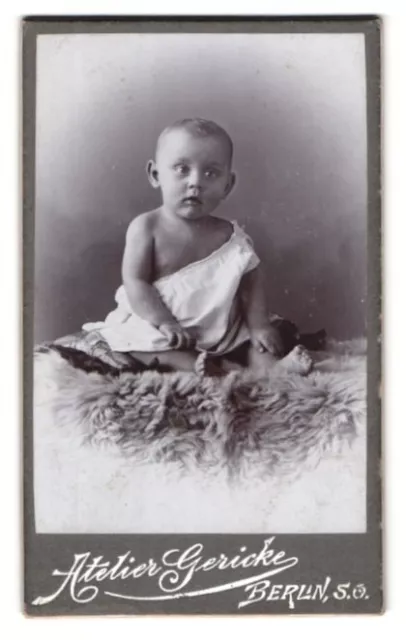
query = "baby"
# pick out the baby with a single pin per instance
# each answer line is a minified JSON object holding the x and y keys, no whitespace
{"x":192,"y":292}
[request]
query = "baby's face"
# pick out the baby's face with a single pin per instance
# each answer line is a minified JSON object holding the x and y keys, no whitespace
{"x":194,"y":173}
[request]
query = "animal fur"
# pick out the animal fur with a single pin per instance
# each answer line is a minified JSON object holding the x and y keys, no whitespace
{"x":264,"y":427}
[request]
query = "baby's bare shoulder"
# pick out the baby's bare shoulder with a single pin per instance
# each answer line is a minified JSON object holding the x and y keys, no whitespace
{"x":222,"y":226}
{"x":142,"y":227}
{"x":221,"y":223}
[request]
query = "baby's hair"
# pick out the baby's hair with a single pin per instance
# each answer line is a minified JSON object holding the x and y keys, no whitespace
{"x":198,"y":127}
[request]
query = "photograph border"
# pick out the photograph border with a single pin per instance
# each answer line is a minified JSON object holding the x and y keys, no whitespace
{"x":358,"y":556}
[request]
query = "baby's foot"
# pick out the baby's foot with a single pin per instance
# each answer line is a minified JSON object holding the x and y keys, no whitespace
{"x":297,"y":361}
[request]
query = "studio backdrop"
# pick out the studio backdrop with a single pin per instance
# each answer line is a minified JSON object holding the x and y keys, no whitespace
{"x":295,"y":107}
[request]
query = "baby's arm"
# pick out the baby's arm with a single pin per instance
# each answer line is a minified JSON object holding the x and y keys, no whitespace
{"x":138,"y":274}
{"x":263,"y":336}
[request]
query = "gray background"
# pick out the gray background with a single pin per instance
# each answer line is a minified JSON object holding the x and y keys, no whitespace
{"x":294,"y":105}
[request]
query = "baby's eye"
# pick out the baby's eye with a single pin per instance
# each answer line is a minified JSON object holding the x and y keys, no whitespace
{"x":181,"y":169}
{"x":211,"y":173}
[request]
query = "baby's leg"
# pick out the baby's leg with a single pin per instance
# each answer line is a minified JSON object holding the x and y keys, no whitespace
{"x":179,"y":360}
{"x":182,"y":360}
{"x":297,"y":361}
{"x":176,"y":360}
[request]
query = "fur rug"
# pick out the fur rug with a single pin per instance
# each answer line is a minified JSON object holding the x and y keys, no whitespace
{"x":238,"y":428}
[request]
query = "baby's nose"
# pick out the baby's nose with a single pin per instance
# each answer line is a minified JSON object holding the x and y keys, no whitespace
{"x":194,"y":180}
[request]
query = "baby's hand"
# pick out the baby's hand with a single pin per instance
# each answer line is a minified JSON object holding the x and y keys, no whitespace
{"x":178,"y":337}
{"x":268,"y":339}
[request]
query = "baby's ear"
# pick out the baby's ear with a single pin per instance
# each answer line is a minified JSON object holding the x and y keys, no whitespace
{"x":152,"y":173}
{"x":230,"y":184}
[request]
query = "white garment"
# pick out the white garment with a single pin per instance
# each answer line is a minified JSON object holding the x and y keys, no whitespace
{"x":201,"y":296}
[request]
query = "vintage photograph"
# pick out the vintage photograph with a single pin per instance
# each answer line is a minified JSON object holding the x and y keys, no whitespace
{"x":200,"y":283}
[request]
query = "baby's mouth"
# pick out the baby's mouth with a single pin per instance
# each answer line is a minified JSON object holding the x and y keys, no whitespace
{"x":192,"y":200}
